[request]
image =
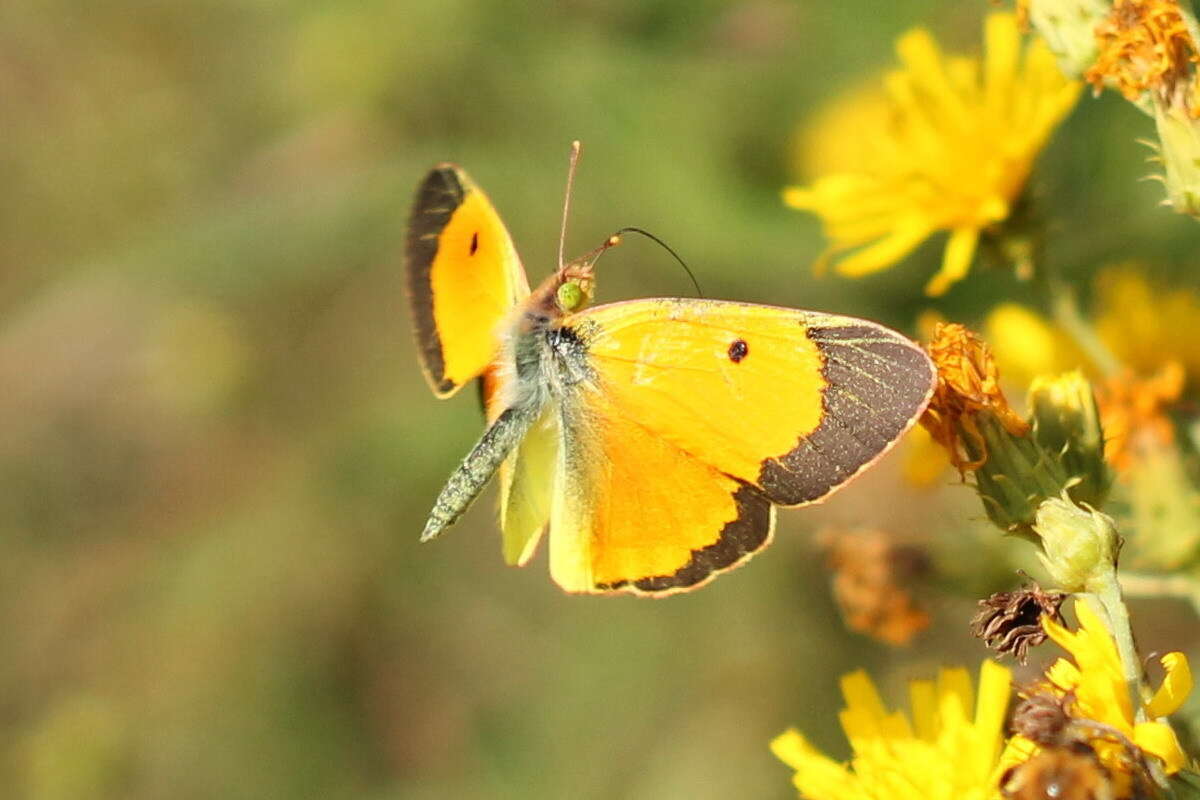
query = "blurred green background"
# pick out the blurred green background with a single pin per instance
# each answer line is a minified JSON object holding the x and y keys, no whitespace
{"x":218,"y":450}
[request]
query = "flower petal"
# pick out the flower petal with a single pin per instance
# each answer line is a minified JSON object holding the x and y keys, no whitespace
{"x":1158,"y":739}
{"x":1176,"y":686}
{"x":960,"y":249}
{"x":887,"y":251}
{"x":817,"y":775}
{"x":861,"y":695}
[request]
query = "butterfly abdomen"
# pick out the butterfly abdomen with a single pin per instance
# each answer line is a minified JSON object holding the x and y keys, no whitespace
{"x":468,"y":480}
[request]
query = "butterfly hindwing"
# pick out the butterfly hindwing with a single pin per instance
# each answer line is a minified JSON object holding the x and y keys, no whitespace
{"x":633,"y":512}
{"x":464,"y":277}
{"x":526,"y":483}
{"x":698,"y":415}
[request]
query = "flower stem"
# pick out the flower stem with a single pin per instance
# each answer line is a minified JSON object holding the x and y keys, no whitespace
{"x":1066,"y":313}
{"x":1106,"y":600}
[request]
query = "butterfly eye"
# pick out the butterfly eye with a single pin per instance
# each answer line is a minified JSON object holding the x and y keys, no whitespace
{"x":570,"y":296}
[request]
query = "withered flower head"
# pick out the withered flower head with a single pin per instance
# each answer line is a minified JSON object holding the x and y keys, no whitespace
{"x":968,"y":385}
{"x":1010,"y":622}
{"x":872,"y":580}
{"x":1042,"y":716}
{"x":1143,"y":46}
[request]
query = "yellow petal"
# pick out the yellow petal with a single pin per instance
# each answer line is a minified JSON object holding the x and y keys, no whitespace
{"x":995,"y":683}
{"x":1176,"y":686}
{"x":956,"y":697}
{"x":817,"y":775}
{"x":1058,"y":633}
{"x":923,"y":700}
{"x":960,"y":249}
{"x":1097,"y":635}
{"x":798,"y":197}
{"x":861,"y":695}
{"x":925,"y":460}
{"x":1158,"y":739}
{"x":1063,"y":674}
{"x":1003,"y":46}
{"x":887,"y":251}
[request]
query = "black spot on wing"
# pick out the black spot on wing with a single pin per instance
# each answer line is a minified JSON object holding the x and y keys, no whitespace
{"x":737,"y":541}
{"x":738,"y":350}
{"x":438,"y":196}
{"x":877,"y":384}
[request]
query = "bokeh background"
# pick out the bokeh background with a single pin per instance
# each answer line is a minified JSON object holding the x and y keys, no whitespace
{"x":217,"y":449}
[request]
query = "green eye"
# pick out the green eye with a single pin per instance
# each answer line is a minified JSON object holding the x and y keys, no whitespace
{"x":570,"y":296}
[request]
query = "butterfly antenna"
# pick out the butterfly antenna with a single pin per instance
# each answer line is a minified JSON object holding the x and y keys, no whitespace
{"x":666,"y":247}
{"x":562,"y":235}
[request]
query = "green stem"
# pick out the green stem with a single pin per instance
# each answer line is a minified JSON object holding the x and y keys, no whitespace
{"x":1067,"y":315}
{"x":1108,"y":603}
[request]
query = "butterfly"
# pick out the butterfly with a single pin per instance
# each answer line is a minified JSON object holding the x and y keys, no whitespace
{"x":652,"y":438}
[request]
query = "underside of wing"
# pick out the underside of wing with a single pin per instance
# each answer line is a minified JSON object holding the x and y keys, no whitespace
{"x":794,"y":403}
{"x":633,"y":512}
{"x":464,"y":277}
{"x":526,"y":484}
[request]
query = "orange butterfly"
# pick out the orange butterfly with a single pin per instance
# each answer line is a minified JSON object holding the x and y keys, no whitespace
{"x":653,"y":437}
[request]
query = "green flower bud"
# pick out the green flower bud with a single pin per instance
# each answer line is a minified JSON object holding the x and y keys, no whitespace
{"x":1068,"y":26}
{"x":1179,"y":150}
{"x":1016,"y":475}
{"x":1066,"y":426}
{"x":1079,"y":546}
{"x":1015,"y":468}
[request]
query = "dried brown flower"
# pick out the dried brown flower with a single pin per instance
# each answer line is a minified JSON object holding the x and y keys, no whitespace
{"x":1010,"y":622}
{"x":873,"y":573}
{"x":968,"y":385}
{"x":1042,"y":717}
{"x":1144,"y":45}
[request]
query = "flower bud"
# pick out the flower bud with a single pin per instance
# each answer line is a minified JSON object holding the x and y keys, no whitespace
{"x":1179,"y":149}
{"x":1068,"y":27}
{"x":1079,"y":546}
{"x":1066,"y":424}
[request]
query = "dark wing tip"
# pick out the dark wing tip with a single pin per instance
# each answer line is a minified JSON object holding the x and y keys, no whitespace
{"x":877,"y":384}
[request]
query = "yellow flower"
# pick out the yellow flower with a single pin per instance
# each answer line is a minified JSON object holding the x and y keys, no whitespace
{"x":1134,"y":411}
{"x":949,"y":750}
{"x":1099,"y":693}
{"x":1027,"y":346}
{"x":958,"y":146}
{"x":1140,"y":321}
{"x":821,"y":147}
{"x":925,"y":459}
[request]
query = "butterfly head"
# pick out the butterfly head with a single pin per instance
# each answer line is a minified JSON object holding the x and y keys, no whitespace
{"x":576,"y":279}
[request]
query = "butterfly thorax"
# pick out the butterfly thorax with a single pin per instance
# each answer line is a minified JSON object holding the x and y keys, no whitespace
{"x":544,"y":351}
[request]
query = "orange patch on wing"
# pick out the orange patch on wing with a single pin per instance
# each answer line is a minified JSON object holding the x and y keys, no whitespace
{"x":634,"y":512}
